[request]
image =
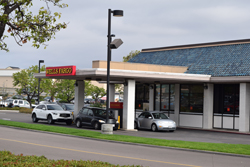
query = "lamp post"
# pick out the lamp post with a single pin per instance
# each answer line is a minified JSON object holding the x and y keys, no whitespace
{"x":40,"y":61}
{"x":117,"y":13}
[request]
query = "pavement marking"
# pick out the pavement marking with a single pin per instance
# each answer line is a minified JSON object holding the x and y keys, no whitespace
{"x":7,"y":119}
{"x":98,"y":153}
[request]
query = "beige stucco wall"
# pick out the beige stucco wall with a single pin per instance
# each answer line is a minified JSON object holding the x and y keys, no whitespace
{"x":138,"y":66}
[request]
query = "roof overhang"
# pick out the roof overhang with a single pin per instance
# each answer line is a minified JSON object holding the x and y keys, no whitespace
{"x":100,"y":74}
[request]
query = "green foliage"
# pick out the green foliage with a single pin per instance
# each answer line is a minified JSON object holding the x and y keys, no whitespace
{"x":66,"y":89}
{"x":131,"y":55}
{"x":8,"y":159}
{"x":8,"y":108}
{"x":97,"y":104}
{"x":23,"y":25}
{"x":97,"y":92}
{"x":27,"y":84}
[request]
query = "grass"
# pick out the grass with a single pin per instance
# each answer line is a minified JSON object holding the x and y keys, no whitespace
{"x":242,"y":149}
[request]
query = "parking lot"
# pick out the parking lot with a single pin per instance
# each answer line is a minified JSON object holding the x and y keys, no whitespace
{"x":184,"y":134}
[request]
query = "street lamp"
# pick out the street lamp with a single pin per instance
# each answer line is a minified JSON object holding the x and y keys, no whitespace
{"x":40,"y":61}
{"x":114,"y":45}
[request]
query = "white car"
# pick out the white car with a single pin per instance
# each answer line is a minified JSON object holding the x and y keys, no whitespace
{"x":52,"y":113}
{"x":21,"y":103}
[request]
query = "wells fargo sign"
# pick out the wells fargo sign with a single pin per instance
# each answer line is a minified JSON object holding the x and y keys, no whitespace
{"x":60,"y":71}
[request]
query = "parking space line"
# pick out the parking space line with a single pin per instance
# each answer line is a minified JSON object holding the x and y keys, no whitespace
{"x":179,"y":164}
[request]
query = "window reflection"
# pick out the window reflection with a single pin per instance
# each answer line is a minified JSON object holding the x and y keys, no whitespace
{"x":192,"y":98}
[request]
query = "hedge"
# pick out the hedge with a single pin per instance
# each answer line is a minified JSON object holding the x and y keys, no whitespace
{"x":7,"y":159}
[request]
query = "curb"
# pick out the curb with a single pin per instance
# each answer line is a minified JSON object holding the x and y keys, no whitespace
{"x":137,"y":144}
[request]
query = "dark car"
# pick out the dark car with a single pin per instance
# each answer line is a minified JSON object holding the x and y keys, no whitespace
{"x":95,"y":117}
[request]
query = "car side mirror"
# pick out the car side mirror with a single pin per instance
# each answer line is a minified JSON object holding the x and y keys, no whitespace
{"x":44,"y":108}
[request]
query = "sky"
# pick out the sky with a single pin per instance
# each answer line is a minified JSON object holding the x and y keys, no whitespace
{"x":145,"y":24}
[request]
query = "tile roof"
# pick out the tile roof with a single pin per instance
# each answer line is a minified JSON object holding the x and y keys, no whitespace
{"x":218,"y":60}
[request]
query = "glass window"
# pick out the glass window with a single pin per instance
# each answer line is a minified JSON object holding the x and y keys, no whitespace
{"x":85,"y":111}
{"x":90,"y":113}
{"x":192,"y":98}
{"x":20,"y":102}
{"x":54,"y":107}
{"x":165,"y":97}
{"x":142,"y":95}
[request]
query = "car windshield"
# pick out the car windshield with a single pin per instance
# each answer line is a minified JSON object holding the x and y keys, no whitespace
{"x":100,"y":112}
{"x":54,"y":107}
{"x":159,"y":116}
{"x":69,"y":107}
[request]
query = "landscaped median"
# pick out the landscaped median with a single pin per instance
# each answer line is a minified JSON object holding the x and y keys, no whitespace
{"x":243,"y":149}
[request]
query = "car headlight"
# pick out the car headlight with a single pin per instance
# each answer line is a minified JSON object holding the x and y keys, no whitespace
{"x":160,"y":122}
{"x":117,"y":122}
{"x":101,"y":121}
{"x":54,"y":113}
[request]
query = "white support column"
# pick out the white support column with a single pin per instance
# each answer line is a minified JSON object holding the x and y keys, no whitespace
{"x":177,"y":103}
{"x":79,"y":96}
{"x":151,"y":98}
{"x":244,"y":107}
{"x":111,"y":92}
{"x":208,"y":106}
{"x":129,"y":105}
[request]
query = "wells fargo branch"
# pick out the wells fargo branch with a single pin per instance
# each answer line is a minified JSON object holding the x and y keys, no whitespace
{"x":201,"y":85}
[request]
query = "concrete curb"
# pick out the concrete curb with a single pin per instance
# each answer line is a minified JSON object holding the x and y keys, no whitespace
{"x":137,"y":144}
{"x":14,"y":111}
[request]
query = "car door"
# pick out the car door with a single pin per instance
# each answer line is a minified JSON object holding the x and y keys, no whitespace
{"x":20,"y":103}
{"x":15,"y":103}
{"x":83,"y":115}
{"x":89,"y":116}
{"x":43,"y":112}
{"x":147,"y":120}
{"x":38,"y":111}
{"x":141,"y":119}
{"x":26,"y":104}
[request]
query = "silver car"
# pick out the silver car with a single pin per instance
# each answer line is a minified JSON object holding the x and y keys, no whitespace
{"x":154,"y":120}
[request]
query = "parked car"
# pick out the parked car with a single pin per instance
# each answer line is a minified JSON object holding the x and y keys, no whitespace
{"x":6,"y":103}
{"x":21,"y":103}
{"x":52,"y":113}
{"x":154,"y":120}
{"x":95,"y":117}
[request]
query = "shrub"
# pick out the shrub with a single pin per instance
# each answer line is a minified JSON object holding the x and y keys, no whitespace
{"x":100,"y":105}
{"x":25,"y":110}
{"x":8,"y":159}
{"x":8,"y":108}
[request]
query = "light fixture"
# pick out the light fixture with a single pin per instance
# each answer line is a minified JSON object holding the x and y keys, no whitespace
{"x":111,"y":45}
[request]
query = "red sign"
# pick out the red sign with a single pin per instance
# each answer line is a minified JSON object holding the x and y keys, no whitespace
{"x":116,"y":105}
{"x":60,"y":71}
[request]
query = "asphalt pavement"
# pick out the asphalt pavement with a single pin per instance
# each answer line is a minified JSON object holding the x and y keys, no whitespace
{"x":54,"y":146}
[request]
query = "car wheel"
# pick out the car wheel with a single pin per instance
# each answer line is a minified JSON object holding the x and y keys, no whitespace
{"x":78,"y":123}
{"x":50,"y":119}
{"x":34,"y":118}
{"x":69,"y":122}
{"x":154,"y":128}
{"x":135,"y":125}
{"x":96,"y":126}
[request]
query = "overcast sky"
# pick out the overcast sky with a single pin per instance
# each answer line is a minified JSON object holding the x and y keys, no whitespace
{"x":146,"y":24}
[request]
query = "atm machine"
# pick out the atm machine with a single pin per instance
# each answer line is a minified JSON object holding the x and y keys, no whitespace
{"x":116,"y":108}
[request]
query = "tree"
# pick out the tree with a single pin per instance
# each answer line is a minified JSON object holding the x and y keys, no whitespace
{"x":97,"y":92}
{"x":66,"y":89}
{"x":16,"y":17}
{"x":131,"y":55}
{"x":27,"y":84}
